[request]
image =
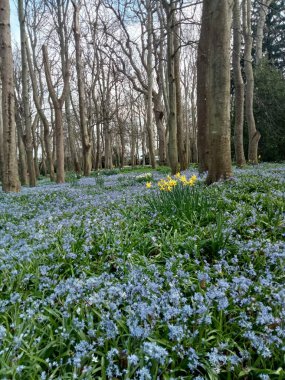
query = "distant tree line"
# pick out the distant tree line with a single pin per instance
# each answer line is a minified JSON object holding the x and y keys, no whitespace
{"x":98,"y":83}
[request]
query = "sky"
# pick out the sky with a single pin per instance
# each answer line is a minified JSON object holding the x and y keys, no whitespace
{"x":15,"y":31}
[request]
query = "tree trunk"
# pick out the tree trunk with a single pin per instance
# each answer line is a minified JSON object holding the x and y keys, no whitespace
{"x":63,"y":35}
{"x":42,"y":115}
{"x":159,"y":115}
{"x":85,"y":138}
{"x":172,"y":100}
{"x":57,"y":104}
{"x":203,"y":90}
{"x":25,"y":98}
{"x":239,"y":86}
{"x":59,"y":139}
{"x":219,"y":90}
{"x":23,"y":169}
{"x":253,"y":133}
{"x":1,"y":132}
{"x":108,"y":146}
{"x":263,"y":10}
{"x":98,"y":148}
{"x":11,"y":181}
{"x":35,"y":124}
{"x":179,"y":111}
{"x":149,"y":116}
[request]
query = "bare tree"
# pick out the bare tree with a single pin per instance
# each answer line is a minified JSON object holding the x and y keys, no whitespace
{"x":57,"y":104}
{"x":85,"y":137}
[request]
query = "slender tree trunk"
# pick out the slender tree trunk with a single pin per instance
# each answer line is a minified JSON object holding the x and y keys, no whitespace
{"x":253,"y":133}
{"x":180,"y":125}
{"x":23,"y":168}
{"x":193,"y":138}
{"x":42,"y":115}
{"x":203,"y":90}
{"x":159,"y":115}
{"x":36,"y":144}
{"x":149,"y":117}
{"x":239,"y":86}
{"x":263,"y":11}
{"x":98,"y":147}
{"x":25,"y":98}
{"x":108,"y":146}
{"x":11,"y":181}
{"x":63,"y":35}
{"x":57,"y":104}
{"x":86,"y":143}
{"x":219,"y":90}
{"x":59,"y":139}
{"x":172,"y":94}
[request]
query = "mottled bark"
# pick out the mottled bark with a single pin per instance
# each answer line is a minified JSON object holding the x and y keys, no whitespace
{"x":10,"y":181}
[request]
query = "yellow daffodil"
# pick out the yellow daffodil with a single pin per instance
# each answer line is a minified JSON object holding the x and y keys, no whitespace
{"x":172,"y":182}
{"x":148,"y":185}
{"x":183,"y":179}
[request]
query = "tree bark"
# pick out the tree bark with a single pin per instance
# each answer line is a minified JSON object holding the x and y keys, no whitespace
{"x":253,"y":133}
{"x":263,"y":10}
{"x":181,"y":143}
{"x":1,"y":131}
{"x":85,"y":138}
{"x":172,"y":94}
{"x":38,"y":105}
{"x":239,"y":86}
{"x":203,"y":90}
{"x":149,"y":103}
{"x":219,"y":90}
{"x":57,"y":104}
{"x":63,"y":34}
{"x":25,"y":98}
{"x":11,"y":181}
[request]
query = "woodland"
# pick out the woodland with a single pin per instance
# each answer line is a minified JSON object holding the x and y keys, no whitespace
{"x":142,"y":210}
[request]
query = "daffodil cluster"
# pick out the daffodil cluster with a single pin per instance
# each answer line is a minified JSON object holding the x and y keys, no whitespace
{"x":169,"y":183}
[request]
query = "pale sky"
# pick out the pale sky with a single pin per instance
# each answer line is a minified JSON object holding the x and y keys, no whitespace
{"x":15,"y":32}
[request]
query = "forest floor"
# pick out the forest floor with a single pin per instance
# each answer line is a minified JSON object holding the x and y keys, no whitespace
{"x":104,"y":278}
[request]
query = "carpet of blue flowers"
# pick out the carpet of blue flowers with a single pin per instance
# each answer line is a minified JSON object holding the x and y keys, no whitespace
{"x":102,"y":278}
